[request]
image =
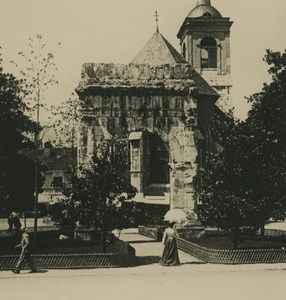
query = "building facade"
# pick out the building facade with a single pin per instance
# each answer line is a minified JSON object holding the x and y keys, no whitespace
{"x":205,"y":44}
{"x":57,"y":167}
{"x":161,"y":101}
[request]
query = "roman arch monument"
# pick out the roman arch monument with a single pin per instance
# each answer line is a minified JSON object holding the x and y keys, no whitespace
{"x":163,"y":103}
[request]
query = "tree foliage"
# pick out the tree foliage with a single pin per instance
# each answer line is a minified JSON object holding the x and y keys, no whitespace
{"x":100,"y":192}
{"x":243,"y":184}
{"x":225,"y":192}
{"x":37,"y":68}
{"x":65,"y":122}
{"x":21,"y":101}
{"x":16,"y":169}
{"x":267,"y":123}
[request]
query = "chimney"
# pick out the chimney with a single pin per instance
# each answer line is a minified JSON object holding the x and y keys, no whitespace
{"x":203,"y":2}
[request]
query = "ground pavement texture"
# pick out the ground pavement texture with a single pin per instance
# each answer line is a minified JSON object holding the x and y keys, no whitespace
{"x":149,"y":251}
{"x":148,"y":280}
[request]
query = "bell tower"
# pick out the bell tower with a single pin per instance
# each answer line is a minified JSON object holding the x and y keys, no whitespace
{"x":205,"y":44}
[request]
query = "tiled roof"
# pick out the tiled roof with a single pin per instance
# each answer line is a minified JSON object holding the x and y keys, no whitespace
{"x":157,"y":66}
{"x":158,"y":51}
{"x":58,"y":158}
{"x":202,"y":86}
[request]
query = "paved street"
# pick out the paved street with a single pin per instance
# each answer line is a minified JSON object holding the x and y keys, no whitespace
{"x":192,"y":280}
{"x":147,"y":282}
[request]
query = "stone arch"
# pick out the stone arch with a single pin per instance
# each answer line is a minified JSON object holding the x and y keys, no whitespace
{"x":158,"y":159}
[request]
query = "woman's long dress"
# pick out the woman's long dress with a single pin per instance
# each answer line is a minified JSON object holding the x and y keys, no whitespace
{"x":170,"y":255}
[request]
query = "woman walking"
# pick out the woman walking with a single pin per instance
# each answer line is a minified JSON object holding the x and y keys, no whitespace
{"x":170,"y":255}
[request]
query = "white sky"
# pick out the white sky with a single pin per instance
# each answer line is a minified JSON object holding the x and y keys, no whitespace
{"x":115,"y":30}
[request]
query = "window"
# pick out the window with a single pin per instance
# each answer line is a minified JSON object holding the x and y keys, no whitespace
{"x":135,"y":165}
{"x":208,"y":53}
{"x":184,"y":51}
{"x":207,"y":14}
{"x":57,"y":182}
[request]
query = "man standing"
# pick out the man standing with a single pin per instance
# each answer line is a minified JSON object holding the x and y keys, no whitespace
{"x":10,"y":224}
{"x":25,"y":254}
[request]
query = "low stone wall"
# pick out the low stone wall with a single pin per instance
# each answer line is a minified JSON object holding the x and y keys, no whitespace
{"x":124,"y":258}
{"x":274,"y":232}
{"x":187,"y":233}
{"x":155,"y":233}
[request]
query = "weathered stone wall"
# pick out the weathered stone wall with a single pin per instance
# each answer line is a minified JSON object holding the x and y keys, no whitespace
{"x":121,"y":99}
{"x":174,"y":78}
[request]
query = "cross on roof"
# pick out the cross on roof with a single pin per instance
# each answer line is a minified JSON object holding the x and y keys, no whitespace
{"x":156,"y":16}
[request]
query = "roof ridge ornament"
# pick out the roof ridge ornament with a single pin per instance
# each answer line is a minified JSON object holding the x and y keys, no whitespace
{"x":203,"y":2}
{"x":157,"y":20}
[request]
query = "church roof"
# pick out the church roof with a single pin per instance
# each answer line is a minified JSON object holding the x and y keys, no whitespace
{"x":157,"y":67}
{"x":158,"y":51}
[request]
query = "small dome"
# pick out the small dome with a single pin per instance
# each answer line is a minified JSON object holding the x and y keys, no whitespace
{"x":204,"y":11}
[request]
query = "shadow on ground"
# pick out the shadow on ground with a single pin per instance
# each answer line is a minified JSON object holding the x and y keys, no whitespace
{"x":194,"y":263}
{"x":141,"y":241}
{"x":32,"y":273}
{"x":147,"y":260}
{"x":42,"y":271}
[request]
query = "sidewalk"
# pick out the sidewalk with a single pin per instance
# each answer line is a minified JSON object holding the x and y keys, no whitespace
{"x":148,"y":253}
{"x":148,"y":280}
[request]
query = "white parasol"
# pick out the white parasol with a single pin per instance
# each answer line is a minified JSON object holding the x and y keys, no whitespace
{"x":175,"y":215}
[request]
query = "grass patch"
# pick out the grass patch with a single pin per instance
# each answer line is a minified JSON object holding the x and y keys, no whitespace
{"x":247,"y":242}
{"x":49,"y":242}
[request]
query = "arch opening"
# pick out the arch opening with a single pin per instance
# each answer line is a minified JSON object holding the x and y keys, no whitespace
{"x":208,"y":53}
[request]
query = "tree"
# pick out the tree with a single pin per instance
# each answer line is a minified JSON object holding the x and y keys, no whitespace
{"x":17,"y":170}
{"x":100,"y":190}
{"x":267,"y":123}
{"x":225,"y":192}
{"x":65,"y":125}
{"x":66,"y":118}
{"x":243,"y":184}
{"x":37,"y":68}
{"x":37,"y":77}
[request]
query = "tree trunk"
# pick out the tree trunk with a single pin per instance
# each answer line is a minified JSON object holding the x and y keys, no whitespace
{"x":235,"y":244}
{"x":235,"y":238}
{"x":262,"y":228}
{"x":25,"y":220}
{"x":104,"y":241}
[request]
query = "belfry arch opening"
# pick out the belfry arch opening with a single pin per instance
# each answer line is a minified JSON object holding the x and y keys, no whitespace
{"x":208,"y":53}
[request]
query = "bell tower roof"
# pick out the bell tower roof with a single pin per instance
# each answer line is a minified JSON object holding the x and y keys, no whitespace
{"x":204,"y":9}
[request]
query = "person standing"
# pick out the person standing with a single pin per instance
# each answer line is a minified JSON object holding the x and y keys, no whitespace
{"x":170,"y":255}
{"x":10,"y":224}
{"x":16,"y":222}
{"x":25,"y":254}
